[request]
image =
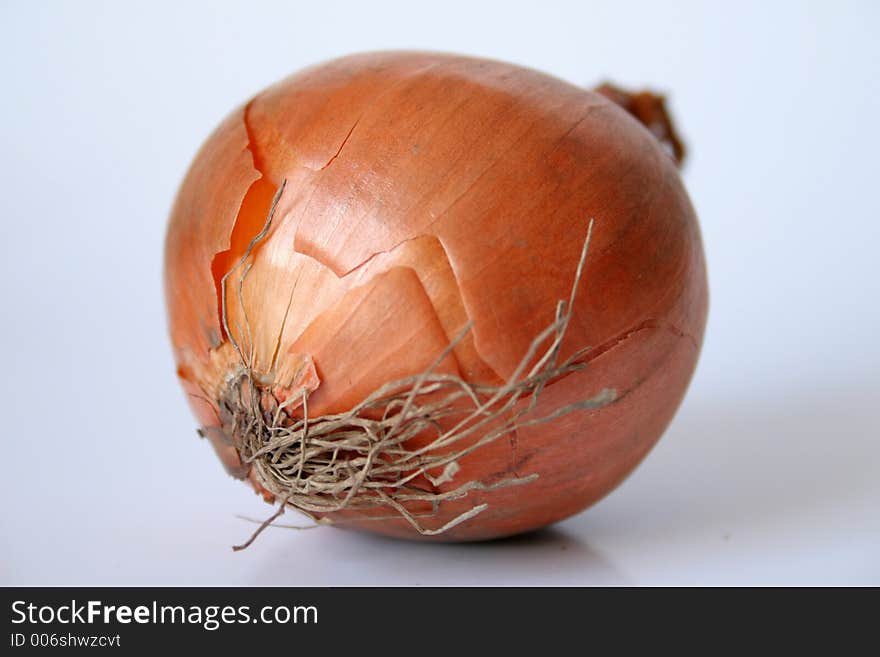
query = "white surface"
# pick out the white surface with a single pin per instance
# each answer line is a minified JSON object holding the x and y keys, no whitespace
{"x":769,"y":474}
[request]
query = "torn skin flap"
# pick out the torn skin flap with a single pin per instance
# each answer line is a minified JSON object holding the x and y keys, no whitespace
{"x":294,"y":379}
{"x":200,"y":226}
{"x":384,"y":330}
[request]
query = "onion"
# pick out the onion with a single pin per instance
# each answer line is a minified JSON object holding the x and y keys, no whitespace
{"x":435,"y":296}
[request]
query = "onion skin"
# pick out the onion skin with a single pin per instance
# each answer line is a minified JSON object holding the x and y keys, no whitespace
{"x":424,"y":191}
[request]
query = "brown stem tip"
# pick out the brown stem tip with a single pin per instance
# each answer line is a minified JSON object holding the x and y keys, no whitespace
{"x":650,"y":110}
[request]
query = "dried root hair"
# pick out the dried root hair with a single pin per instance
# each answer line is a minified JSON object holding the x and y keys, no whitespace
{"x":363,"y":458}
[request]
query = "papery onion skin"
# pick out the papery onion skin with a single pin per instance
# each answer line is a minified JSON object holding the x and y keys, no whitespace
{"x":424,"y":191}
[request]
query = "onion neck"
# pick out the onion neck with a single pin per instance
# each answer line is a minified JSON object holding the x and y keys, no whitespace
{"x":650,"y":110}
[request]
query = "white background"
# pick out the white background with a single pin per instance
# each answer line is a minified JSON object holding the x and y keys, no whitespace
{"x":770,"y":473}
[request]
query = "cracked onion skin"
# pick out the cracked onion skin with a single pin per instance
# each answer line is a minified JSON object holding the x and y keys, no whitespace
{"x":424,"y":191}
